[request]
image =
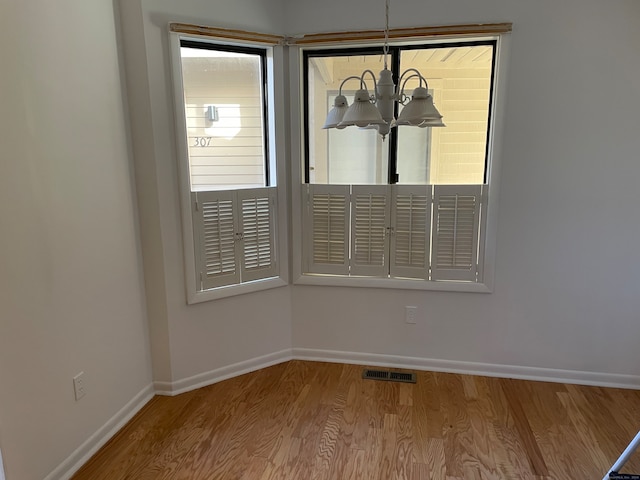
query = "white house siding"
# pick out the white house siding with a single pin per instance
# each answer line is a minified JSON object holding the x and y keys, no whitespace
{"x":228,"y":152}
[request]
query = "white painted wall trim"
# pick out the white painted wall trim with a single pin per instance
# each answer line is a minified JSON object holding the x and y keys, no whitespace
{"x":84,"y":452}
{"x":220,"y":374}
{"x":577,"y":377}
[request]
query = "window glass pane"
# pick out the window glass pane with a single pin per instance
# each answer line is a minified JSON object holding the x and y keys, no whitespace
{"x":351,"y":155}
{"x":224,"y":109}
{"x":414,"y":151}
{"x":459,"y":79}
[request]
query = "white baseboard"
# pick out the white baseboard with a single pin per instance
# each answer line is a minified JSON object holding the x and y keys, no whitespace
{"x":417,"y":363}
{"x":220,"y":374}
{"x":471,"y":368}
{"x":84,"y":452}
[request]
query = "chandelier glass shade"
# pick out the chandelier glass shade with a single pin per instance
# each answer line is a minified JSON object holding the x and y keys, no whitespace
{"x":377,"y":110}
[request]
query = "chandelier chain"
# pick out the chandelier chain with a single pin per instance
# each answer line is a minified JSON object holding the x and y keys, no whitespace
{"x":377,"y":110}
{"x":386,"y":34}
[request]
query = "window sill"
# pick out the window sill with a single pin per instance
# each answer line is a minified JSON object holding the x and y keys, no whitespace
{"x":397,"y":283}
{"x":233,"y":290}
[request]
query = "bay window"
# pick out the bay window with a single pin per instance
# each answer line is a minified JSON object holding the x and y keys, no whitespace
{"x":411,"y":205}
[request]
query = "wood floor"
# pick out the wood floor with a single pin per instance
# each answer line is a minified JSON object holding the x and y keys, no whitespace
{"x":307,"y":420}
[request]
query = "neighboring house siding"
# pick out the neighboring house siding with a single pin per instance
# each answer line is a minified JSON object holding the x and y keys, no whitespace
{"x":229,"y":152}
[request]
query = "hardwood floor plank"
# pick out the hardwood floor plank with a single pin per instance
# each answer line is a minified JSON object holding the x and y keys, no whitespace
{"x":509,"y":451}
{"x":365,"y":417}
{"x":374,"y":453}
{"x":427,"y":420}
{"x":420,"y":471}
{"x":436,"y":459}
{"x":511,"y":459}
{"x":355,"y":468}
{"x":313,"y":420}
{"x":403,"y":454}
{"x":499,"y":447}
{"x":584,"y":399}
{"x":406,"y":394}
{"x":386,"y":465}
{"x":480,"y":418}
{"x":458,"y":438}
{"x":584,"y":433}
{"x":536,"y":460}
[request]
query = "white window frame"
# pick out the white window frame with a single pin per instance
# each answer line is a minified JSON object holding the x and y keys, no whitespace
{"x":487,"y":242}
{"x":276,"y":95}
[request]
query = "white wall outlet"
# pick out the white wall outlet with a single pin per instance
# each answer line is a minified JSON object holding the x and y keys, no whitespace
{"x":410,"y":314}
{"x":78,"y":386}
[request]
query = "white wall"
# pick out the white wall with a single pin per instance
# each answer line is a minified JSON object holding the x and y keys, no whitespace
{"x":566,"y":280}
{"x":187,"y":340}
{"x":71,"y":292}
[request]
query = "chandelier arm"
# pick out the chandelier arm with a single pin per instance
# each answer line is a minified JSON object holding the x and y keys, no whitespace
{"x":375,"y":84}
{"x":400,"y":93}
{"x":416,"y":73}
{"x":352,"y":77}
{"x":404,"y":84}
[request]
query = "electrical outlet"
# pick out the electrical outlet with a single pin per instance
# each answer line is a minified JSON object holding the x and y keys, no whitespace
{"x":410,"y":314}
{"x":78,"y":386}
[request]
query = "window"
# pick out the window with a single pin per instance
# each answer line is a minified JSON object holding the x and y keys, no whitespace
{"x":228,"y":174}
{"x":225,"y":101}
{"x":414,"y":205}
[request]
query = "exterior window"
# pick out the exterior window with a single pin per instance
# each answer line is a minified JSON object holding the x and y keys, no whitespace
{"x":231,"y":195}
{"x":412,"y":205}
{"x":225,"y":114}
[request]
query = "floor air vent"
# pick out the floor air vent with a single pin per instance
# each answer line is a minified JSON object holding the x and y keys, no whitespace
{"x":389,"y":376}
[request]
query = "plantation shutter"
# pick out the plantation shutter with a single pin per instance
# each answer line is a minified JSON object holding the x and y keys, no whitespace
{"x":257,"y":208}
{"x":410,"y":231}
{"x":370,"y":212}
{"x":326,"y":229}
{"x":215,"y":230}
{"x":456,"y":222}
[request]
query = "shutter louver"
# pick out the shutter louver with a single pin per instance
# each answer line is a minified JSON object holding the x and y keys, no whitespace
{"x":327,"y":229}
{"x":214,"y":221}
{"x":257,"y":212}
{"x":370,"y":208}
{"x":411,"y":227}
{"x":456,"y":227}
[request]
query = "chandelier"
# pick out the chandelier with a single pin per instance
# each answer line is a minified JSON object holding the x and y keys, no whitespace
{"x":377,"y":110}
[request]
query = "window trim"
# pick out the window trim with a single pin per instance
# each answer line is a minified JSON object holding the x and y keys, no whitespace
{"x":487,"y":241}
{"x":275,"y":148}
